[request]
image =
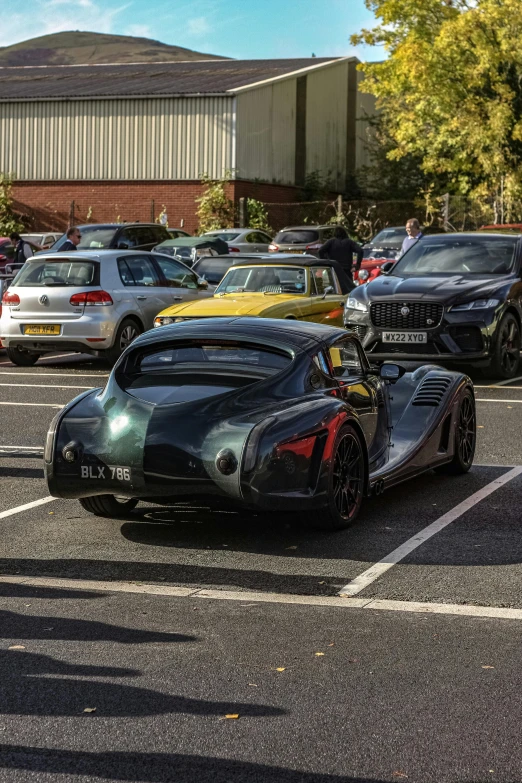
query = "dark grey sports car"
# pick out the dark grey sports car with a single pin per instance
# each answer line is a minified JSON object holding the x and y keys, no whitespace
{"x":269,"y":414}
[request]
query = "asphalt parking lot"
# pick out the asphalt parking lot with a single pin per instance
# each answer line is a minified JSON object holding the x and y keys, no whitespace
{"x":415,"y":612}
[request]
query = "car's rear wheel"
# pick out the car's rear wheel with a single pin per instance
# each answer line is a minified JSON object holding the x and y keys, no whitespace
{"x":128,"y":330}
{"x":346,"y":481}
{"x":108,"y":505}
{"x":22,"y":357}
{"x":465,"y":438}
{"x":506,"y":354}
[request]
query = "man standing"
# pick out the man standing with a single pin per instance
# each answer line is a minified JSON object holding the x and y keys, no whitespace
{"x":73,"y":239}
{"x":414,"y":234}
{"x":23,"y":250}
{"x":341,"y":248}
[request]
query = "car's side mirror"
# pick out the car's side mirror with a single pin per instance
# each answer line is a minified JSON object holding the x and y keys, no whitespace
{"x":391,"y":372}
{"x":202,"y":283}
{"x":123,"y":245}
{"x":387,"y":267}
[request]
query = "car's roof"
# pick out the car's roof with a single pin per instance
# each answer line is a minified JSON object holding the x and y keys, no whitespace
{"x":190,"y":241}
{"x":308,"y":227}
{"x":89,"y":255}
{"x":117,"y":225}
{"x":467,"y":234}
{"x":295,"y":334}
{"x":281,"y":259}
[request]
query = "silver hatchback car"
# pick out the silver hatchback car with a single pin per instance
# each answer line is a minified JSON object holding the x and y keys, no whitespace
{"x":90,"y":302}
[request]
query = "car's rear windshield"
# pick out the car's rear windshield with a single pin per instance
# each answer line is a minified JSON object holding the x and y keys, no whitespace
{"x":36,"y":238}
{"x":212,"y":269}
{"x":226,"y":237}
{"x":217,"y":352}
{"x":464,"y":255}
{"x":390,"y":237}
{"x":47,"y":272}
{"x":264,"y":280}
{"x":297,"y":237}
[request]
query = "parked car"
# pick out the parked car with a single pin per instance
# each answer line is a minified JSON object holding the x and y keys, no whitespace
{"x":286,"y":287}
{"x":175,"y":233}
{"x":243,"y":240}
{"x":452,"y":298}
{"x":301,"y":239}
{"x":514,"y":228}
{"x":94,"y":303}
{"x":121,"y":236}
{"x":42,"y":240}
{"x":286,"y":420}
{"x":6,"y":252}
{"x":385,"y":246}
{"x":213,"y":268}
{"x":190,"y":248}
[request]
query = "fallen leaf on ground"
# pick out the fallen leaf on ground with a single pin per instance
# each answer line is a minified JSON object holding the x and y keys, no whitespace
{"x":399,"y":774}
{"x":252,"y":685}
{"x":480,"y":426}
{"x":319,"y":653}
{"x":488,"y":667}
{"x":280,"y":669}
{"x":331,"y":644}
{"x":90,"y":709}
{"x":51,"y":512}
{"x":232,"y":716}
{"x":291,"y":547}
{"x":321,"y":583}
{"x":16,"y":647}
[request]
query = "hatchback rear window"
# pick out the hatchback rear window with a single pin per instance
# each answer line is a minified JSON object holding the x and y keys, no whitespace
{"x":61,"y":272}
{"x":297,"y":237}
{"x":226,"y":237}
{"x":223,"y":354}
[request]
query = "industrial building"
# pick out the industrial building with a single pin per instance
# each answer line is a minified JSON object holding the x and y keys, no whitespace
{"x":119,"y":142}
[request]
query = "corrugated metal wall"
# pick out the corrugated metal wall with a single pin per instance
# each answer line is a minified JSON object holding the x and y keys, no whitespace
{"x":266,"y":133}
{"x":326,"y":115}
{"x":365,"y":110}
{"x":168,"y":138}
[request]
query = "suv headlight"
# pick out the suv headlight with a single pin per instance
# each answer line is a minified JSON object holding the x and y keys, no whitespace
{"x":354,"y":304}
{"x":478,"y":304}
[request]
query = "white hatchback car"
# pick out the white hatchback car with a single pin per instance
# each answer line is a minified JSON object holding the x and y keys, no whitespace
{"x":90,"y":302}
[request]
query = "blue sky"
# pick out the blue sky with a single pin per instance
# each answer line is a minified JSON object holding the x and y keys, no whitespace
{"x":235,"y":28}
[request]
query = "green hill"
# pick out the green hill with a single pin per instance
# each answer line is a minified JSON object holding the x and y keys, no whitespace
{"x":77,"y":48}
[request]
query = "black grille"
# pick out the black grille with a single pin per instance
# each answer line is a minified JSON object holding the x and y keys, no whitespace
{"x":359,"y":329}
{"x":387,"y":315}
{"x":415,"y":349}
{"x":468,"y":338}
{"x":431,"y":391}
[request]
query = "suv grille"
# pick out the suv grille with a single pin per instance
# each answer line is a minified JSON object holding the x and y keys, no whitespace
{"x":359,"y":329}
{"x":387,"y":315}
{"x":431,"y":391}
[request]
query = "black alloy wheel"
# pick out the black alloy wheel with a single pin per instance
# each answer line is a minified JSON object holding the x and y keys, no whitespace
{"x":346,"y":482}
{"x":465,"y":438}
{"x":506,"y":355}
{"x":108,"y":505}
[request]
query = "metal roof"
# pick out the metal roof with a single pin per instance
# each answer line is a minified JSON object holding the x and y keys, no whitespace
{"x":202,"y":77}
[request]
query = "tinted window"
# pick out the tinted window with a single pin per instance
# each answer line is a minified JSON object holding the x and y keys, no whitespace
{"x":137,"y":270}
{"x":297,"y":237}
{"x":145,"y":235}
{"x":93,"y":237}
{"x":262,"y":239}
{"x":212,"y":269}
{"x":322,"y":277}
{"x":390,"y":237}
{"x":345,"y":359}
{"x":327,"y":233}
{"x":264,"y":279}
{"x":59,"y":273}
{"x":464,"y":255}
{"x":160,"y":233}
{"x":177,"y":275}
{"x":251,"y":237}
{"x":223,"y":354}
{"x":227,"y":236}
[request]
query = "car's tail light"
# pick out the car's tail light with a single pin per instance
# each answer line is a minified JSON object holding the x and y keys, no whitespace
{"x":250,"y":453}
{"x":88,"y":298}
{"x":314,"y":246}
{"x":272,"y":248}
{"x":3,"y":258}
{"x":11,"y":300}
{"x":233,"y":249}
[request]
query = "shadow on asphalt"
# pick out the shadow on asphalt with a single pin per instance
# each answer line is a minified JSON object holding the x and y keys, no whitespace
{"x":157,"y":767}
{"x":10,"y":590}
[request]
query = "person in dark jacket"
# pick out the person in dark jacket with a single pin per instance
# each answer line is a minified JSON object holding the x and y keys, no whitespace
{"x":23,"y":249}
{"x":73,"y":239}
{"x":341,"y":249}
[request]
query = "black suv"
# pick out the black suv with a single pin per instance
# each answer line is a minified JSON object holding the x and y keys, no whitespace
{"x":117,"y":236}
{"x":451,"y":299}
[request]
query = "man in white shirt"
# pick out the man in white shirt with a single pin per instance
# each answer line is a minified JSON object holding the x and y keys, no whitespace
{"x":414,"y":234}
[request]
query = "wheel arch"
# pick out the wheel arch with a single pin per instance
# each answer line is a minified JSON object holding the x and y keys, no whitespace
{"x":127,"y":317}
{"x":353,"y":422}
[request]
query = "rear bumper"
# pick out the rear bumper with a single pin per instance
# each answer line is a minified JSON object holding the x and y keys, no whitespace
{"x":90,"y":333}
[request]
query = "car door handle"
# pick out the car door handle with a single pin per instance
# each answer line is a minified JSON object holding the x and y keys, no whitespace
{"x":141,"y":297}
{"x":177,"y":298}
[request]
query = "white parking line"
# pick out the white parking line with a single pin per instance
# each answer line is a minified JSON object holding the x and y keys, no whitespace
{"x":61,"y":375}
{"x":509,"y":380}
{"x":34,"y":404}
{"x":477,"y":399}
{"x":137,"y":588}
{"x":25,"y":507}
{"x":477,"y":386}
{"x":43,"y":386}
{"x":378,"y":569}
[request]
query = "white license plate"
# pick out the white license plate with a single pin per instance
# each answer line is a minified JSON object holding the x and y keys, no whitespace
{"x":105,"y":473}
{"x":405,"y":337}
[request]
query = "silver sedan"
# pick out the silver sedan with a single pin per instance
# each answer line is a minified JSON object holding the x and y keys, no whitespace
{"x":90,"y":302}
{"x":243,"y":240}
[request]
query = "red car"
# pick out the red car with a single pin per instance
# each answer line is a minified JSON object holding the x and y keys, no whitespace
{"x":6,"y":252}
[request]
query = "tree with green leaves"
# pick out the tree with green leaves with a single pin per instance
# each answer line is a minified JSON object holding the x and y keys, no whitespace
{"x":450,"y":89}
{"x":8,"y":219}
{"x":215,"y":209}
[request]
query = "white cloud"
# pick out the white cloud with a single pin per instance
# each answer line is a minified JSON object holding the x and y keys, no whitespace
{"x":139,"y":30}
{"x":198,"y":26}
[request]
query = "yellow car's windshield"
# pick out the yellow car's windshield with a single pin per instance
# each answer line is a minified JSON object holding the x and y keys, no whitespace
{"x":264,"y":280}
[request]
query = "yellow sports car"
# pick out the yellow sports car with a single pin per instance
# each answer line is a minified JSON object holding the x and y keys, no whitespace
{"x":303,"y":288}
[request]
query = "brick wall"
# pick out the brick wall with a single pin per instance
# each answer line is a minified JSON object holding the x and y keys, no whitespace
{"x":48,"y":205}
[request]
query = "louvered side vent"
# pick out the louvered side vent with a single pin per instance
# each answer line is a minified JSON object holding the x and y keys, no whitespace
{"x":431,"y":391}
